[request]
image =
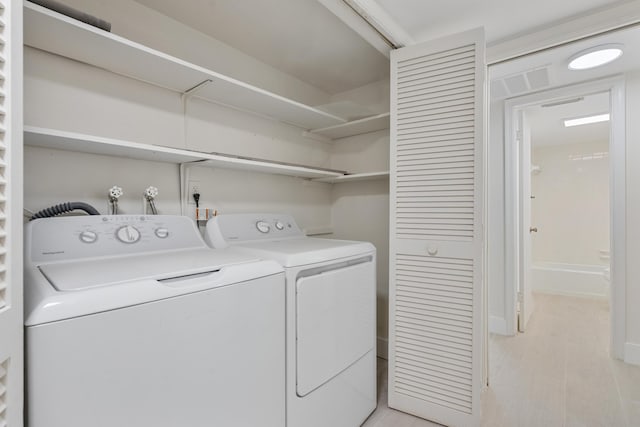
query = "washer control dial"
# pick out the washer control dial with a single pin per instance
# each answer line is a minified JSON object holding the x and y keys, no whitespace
{"x":263,"y":226}
{"x":88,"y":236}
{"x":162,"y":233}
{"x":128,"y":234}
{"x":279,"y":225}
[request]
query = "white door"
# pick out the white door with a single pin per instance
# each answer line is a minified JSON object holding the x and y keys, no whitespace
{"x":527,"y":229}
{"x":436,"y":231}
{"x":11,"y":364}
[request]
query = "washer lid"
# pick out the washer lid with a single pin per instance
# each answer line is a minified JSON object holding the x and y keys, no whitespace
{"x":92,"y":273}
{"x":305,"y":250}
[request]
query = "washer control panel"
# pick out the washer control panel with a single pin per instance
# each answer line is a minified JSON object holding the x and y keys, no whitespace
{"x":243,"y":227}
{"x":263,"y":226}
{"x":77,"y":237}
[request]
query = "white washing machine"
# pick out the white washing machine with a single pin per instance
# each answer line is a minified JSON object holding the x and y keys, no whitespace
{"x":331,"y":292}
{"x":132,"y":321}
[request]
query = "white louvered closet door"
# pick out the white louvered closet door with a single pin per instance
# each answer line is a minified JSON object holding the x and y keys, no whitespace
{"x":436,"y":249}
{"x":11,"y":353}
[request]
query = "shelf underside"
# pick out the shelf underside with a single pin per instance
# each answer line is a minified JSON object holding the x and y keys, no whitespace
{"x":64,"y":36}
{"x":61,"y":140}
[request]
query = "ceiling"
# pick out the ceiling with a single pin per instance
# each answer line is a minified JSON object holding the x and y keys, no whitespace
{"x":428,"y":19}
{"x":306,"y":40}
{"x":299,"y":37}
{"x":547,"y":123}
{"x":554,"y":63}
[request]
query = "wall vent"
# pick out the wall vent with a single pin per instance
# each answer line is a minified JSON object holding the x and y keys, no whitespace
{"x":520,"y":83}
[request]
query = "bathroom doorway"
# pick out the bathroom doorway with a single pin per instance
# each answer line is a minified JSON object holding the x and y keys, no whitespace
{"x":562,"y":364}
{"x":566,"y":198}
{"x":565,"y":207}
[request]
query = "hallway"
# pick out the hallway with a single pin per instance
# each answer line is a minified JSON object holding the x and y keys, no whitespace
{"x":558,"y":373}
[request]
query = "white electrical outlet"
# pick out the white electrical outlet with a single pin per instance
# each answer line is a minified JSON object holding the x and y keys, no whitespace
{"x":194,"y":187}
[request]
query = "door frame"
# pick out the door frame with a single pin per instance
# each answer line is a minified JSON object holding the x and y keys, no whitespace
{"x":617,"y":196}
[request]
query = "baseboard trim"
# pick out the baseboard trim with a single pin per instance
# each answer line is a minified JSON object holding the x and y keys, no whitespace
{"x":383,"y":348}
{"x":632,"y":353}
{"x":498,"y":325}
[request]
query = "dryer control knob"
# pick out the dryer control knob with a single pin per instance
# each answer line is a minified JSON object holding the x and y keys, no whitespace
{"x":263,"y":226}
{"x":128,"y":234}
{"x":88,"y":236}
{"x":279,"y":225}
{"x":162,"y":233}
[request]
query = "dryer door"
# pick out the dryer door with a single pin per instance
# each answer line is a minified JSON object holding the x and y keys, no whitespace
{"x":335,"y":313}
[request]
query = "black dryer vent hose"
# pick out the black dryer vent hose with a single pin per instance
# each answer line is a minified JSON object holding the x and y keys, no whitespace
{"x":64,"y":208}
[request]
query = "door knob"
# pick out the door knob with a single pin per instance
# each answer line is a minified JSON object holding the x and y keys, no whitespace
{"x":533,"y":229}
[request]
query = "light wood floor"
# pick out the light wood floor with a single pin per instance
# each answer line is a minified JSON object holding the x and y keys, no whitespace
{"x":558,"y":373}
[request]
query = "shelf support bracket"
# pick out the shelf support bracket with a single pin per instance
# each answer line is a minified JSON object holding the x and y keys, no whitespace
{"x":184,"y":97}
{"x":193,"y":90}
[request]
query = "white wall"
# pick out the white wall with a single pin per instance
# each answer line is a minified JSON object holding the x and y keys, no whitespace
{"x":148,"y":27}
{"x":361,"y":210}
{"x":495,"y":217}
{"x":571,"y":205}
{"x":67,"y":95}
{"x":632,"y":350}
{"x":54,"y":176}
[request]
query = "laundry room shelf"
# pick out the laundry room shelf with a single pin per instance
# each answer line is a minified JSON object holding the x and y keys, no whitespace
{"x":255,"y":165}
{"x":71,"y":141}
{"x":56,"y":33}
{"x":368,"y":176}
{"x":356,"y":127}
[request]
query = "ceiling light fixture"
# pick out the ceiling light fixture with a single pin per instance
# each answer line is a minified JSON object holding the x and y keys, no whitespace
{"x":595,"y":57}
{"x":587,"y":120}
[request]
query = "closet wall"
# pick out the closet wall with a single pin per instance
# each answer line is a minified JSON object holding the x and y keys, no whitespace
{"x":360,"y":209}
{"x":67,"y":95}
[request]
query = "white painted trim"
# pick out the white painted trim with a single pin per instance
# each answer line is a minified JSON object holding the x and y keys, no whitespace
{"x":379,"y":19}
{"x":382,"y":348}
{"x":340,"y":9}
{"x":558,"y":33}
{"x":632,"y":353}
{"x":511,"y":185}
{"x":618,"y":214}
{"x":498,"y":325}
{"x":617,"y":153}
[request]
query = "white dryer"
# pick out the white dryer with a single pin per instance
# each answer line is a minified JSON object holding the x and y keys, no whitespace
{"x":331,"y":294}
{"x":132,"y":321}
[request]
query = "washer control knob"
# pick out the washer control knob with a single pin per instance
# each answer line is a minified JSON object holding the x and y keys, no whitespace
{"x":263,"y":226}
{"x":88,"y":236}
{"x":128,"y":234}
{"x":162,"y":233}
{"x":279,"y":225}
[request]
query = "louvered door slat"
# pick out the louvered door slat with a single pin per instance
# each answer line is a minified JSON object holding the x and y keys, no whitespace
{"x":461,"y":71}
{"x":462,"y":100}
{"x":426,"y":336}
{"x":11,"y":323}
{"x":455,"y":112}
{"x":410,"y":114}
{"x":436,"y":204}
{"x":430,"y":65}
